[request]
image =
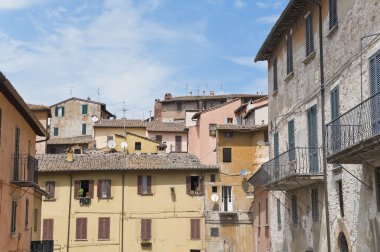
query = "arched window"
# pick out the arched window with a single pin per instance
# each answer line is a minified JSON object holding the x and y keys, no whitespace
{"x":342,"y":241}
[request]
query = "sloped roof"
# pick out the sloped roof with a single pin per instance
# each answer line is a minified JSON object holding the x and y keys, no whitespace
{"x":166,"y":127}
{"x":99,"y":161}
{"x":70,"y":140}
{"x":239,"y":127}
{"x":103,"y":105}
{"x":196,"y":115}
{"x":119,"y":123}
{"x":18,"y":102}
{"x":210,"y":97}
{"x":35,"y":107}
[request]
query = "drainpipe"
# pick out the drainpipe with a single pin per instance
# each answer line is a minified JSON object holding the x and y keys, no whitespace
{"x":68,"y":217}
{"x":122,"y":214}
{"x":323,"y":123}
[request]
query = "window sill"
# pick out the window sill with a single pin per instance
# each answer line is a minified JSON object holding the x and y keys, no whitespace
{"x":309,"y":58}
{"x":104,"y":239}
{"x":52,"y":200}
{"x":336,"y":170}
{"x":81,"y":240}
{"x":332,"y":31}
{"x":105,"y":198}
{"x":13,"y":235}
{"x":275,"y":93}
{"x":146,"y":194}
{"x":289,"y":76}
{"x":196,"y":194}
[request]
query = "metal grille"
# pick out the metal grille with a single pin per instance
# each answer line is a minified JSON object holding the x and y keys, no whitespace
{"x":333,"y":17}
{"x":309,"y":34}
{"x":314,"y":204}
{"x":289,"y":55}
{"x":294,"y":209}
{"x":214,"y":232}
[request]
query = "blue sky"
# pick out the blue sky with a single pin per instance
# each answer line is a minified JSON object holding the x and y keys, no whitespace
{"x":133,"y":51}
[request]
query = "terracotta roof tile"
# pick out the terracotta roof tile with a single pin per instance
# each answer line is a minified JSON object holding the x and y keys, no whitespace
{"x":119,"y":123}
{"x":211,"y":97}
{"x":240,"y":127}
{"x":70,"y":140}
{"x":166,"y":127}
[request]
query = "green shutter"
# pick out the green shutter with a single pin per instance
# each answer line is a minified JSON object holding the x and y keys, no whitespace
{"x":291,"y":139}
{"x":84,"y":129}
{"x":84,"y":109}
{"x":313,"y":138}
{"x":335,"y":133}
{"x":55,"y":131}
{"x":56,"y":111}
{"x":63,"y":111}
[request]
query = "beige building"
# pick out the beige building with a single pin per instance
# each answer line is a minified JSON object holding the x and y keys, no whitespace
{"x":124,"y":202}
{"x":19,"y":192}
{"x":43,"y":115}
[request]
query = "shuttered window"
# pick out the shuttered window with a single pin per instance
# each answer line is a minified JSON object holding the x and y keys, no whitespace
{"x":289,"y":54}
{"x":195,"y":185}
{"x":276,"y":153}
{"x":313,"y":139}
{"x":59,"y":111}
{"x":294,"y":209}
{"x":81,"y":229}
{"x":278,"y":212}
{"x":83,"y":188}
{"x":314,"y":204}
{"x":26,"y":212}
{"x":144,"y":185}
{"x":195,"y":229}
{"x":35,"y":220}
{"x":146,"y":229}
{"x":309,"y":34}
{"x":50,"y":187}
{"x":55,"y":132}
{"x":84,"y":109}
{"x":104,"y":228}
{"x":13,"y":217}
{"x":266,"y":212}
{"x":227,"y":155}
{"x":259,"y":213}
{"x":48,"y":227}
{"x":1,"y":120}
{"x":104,"y":189}
{"x":84,"y":129}
{"x":275,"y":80}
{"x":341,"y":202}
{"x":214,"y":232}
{"x":334,"y":100}
{"x":159,"y":138}
{"x":291,"y":139}
{"x":333,"y":14}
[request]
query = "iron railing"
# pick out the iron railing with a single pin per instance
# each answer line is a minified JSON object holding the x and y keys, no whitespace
{"x":358,"y":124}
{"x":25,"y":168}
{"x":297,"y":161}
{"x":42,"y":246}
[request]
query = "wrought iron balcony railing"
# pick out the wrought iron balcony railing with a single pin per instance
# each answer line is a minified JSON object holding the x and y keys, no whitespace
{"x":291,"y":166}
{"x":356,"y":125}
{"x":25,"y":169}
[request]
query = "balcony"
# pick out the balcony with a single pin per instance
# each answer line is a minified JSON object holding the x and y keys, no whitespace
{"x":25,"y":170}
{"x":293,"y":169}
{"x":353,"y":138}
{"x":84,"y":201}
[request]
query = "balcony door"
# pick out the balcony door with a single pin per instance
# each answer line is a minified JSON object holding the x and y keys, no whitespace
{"x":178,"y":143}
{"x":227,"y":205}
{"x":312,"y":139}
{"x":374,"y":78}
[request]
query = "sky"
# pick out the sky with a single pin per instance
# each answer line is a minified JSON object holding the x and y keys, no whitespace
{"x":133,"y":51}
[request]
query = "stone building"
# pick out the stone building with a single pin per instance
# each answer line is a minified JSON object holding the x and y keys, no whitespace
{"x":306,"y":92}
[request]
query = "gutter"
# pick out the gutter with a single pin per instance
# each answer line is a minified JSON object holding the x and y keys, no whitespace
{"x":69,"y":215}
{"x":122,"y":214}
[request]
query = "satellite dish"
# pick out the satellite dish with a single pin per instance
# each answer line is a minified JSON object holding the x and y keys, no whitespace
{"x":94,"y":118}
{"x":214,"y":197}
{"x":111,"y":144}
{"x":124,"y":145}
{"x":243,"y":172}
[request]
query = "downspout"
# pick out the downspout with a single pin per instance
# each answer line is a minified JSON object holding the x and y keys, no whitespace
{"x":323,"y":124}
{"x":69,"y":215}
{"x":122,"y":214}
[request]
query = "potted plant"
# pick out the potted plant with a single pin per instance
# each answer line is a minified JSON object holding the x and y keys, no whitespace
{"x":81,"y":192}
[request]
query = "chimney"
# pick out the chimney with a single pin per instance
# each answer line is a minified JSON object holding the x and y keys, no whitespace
{"x":168,"y":96}
{"x":191,"y":93}
{"x":212,"y":93}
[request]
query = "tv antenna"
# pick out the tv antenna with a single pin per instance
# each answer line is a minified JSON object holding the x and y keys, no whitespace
{"x":71,"y":90}
{"x":98,"y":93}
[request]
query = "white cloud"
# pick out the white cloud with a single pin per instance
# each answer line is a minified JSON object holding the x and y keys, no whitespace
{"x":249,"y":62}
{"x":270,"y":19}
{"x":18,"y":4}
{"x":239,"y":3}
{"x":268,"y":4}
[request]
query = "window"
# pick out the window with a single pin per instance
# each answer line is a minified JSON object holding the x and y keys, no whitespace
{"x":259,"y":213}
{"x":55,"y":132}
{"x":289,"y":54}
{"x":50,"y":187}
{"x":144,"y":184}
{"x":341,"y":203}
{"x":334,"y":100}
{"x":195,"y":229}
{"x":278,"y":212}
{"x":227,"y":153}
{"x":291,"y":139}
{"x":109,"y":138}
{"x":294,"y":209}
{"x":214,"y":232}
{"x":81,"y":229}
{"x":84,"y":109}
{"x":179,"y":106}
{"x":230,"y":120}
{"x":178,"y":143}
{"x":138,"y":146}
{"x":194,"y":185}
{"x":16,"y":163}
{"x":212,"y":178}
{"x":104,"y":228}
{"x":84,"y":129}
{"x":48,"y":227}
{"x":313,"y":139}
{"x":275,"y":81}
{"x":26,"y":213}
{"x":84,"y":188}
{"x":1,"y":119}
{"x":59,"y":111}
{"x":333,"y":16}
{"x":104,"y":188}
{"x":35,"y":219}
{"x":377,"y":181}
{"x":158,"y":138}
{"x":212,"y":129}
{"x":214,"y":189}
{"x":266,"y":212}
{"x":266,"y":136}
{"x":228,"y":134}
{"x":13,"y":217}
{"x":314,"y":204}
{"x":309,"y":34}
{"x":146,"y":229}
{"x":342,"y":241}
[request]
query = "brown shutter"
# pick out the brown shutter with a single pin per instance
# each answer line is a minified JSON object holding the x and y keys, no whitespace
{"x":143,"y":228}
{"x":84,"y":228}
{"x":107,"y":228}
{"x":192,"y":229}
{"x":201,"y":185}
{"x":148,"y":229}
{"x":139,"y":183}
{"x":76,"y":189}
{"x":109,"y":189}
{"x":99,"y":189}
{"x":91,"y":188}
{"x":188,"y":185}
{"x":197,"y":229}
{"x":149,"y":184}
{"x":100,"y":227}
{"x":45,"y":230}
{"x":78,"y":229}
{"x":51,"y":228}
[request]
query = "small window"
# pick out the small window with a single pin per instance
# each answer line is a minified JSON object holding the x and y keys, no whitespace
{"x":214,"y":189}
{"x":195,"y":250}
{"x":55,"y":131}
{"x":227,"y":155}
{"x":214,"y":232}
{"x":294,"y":209}
{"x":341,"y":203}
{"x":230,"y":120}
{"x":50,"y":187}
{"x":13,"y":217}
{"x":144,"y":184}
{"x":195,"y":184}
{"x":342,"y":241}
{"x":138,"y":146}
{"x":278,"y":212}
{"x":314,"y":205}
{"x":195,"y":229}
{"x":59,"y":111}
{"x":179,"y":106}
{"x":104,"y":188}
{"x":275,"y":81}
{"x":84,"y":129}
{"x":109,"y":138}
{"x":266,"y":212}
{"x":104,"y":228}
{"x":84,"y":109}
{"x":266,"y":136}
{"x":81,"y":229}
{"x":48,"y":228}
{"x":212,"y":178}
{"x":26,"y":213}
{"x":146,"y":229}
{"x":289,"y":54}
{"x":309,"y":34}
{"x":229,"y":134}
{"x":158,"y":138}
{"x":333,"y":16}
{"x":212,"y":129}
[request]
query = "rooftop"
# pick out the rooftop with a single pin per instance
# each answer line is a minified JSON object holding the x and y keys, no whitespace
{"x":103,"y":105}
{"x":100,"y":161}
{"x":210,"y":97}
{"x":165,"y":127}
{"x":239,"y":127}
{"x":119,"y":123}
{"x":70,"y":140}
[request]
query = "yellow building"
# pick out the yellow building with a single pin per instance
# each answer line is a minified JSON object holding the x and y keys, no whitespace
{"x":124,"y":202}
{"x":240,"y":151}
{"x":134,"y":144}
